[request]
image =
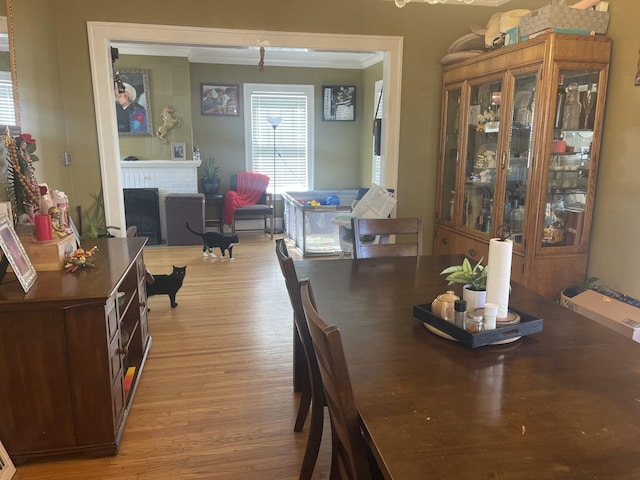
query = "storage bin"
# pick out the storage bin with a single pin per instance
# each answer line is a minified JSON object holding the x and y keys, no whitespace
{"x":311,"y":228}
{"x":563,"y":19}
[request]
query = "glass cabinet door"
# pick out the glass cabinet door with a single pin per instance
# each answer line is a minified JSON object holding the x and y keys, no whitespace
{"x":482,"y":152}
{"x":520,"y":151}
{"x":570,"y":158}
{"x":450,"y":153}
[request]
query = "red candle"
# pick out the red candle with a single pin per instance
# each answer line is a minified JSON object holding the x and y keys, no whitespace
{"x":43,"y":228}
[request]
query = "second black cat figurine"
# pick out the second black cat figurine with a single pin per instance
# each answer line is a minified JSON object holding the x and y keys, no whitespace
{"x":211,"y":240}
{"x":167,"y":284}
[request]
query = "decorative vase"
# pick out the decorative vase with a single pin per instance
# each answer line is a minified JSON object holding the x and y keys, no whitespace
{"x":211,"y":187}
{"x":474,"y":298}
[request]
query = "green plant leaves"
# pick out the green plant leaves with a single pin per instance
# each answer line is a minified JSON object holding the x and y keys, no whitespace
{"x":475,"y":276}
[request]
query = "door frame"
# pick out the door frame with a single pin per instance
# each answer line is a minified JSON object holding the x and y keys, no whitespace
{"x":101,"y":34}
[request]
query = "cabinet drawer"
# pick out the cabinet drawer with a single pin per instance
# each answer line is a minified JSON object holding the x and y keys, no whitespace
{"x":473,"y":249}
{"x":445,"y":242}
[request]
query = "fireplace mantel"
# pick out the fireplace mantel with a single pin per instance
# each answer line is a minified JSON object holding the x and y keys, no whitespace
{"x":161,"y":164}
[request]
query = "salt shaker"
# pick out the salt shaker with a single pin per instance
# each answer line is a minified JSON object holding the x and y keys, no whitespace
{"x":460,"y":313}
{"x":473,"y":322}
{"x":490,"y":314}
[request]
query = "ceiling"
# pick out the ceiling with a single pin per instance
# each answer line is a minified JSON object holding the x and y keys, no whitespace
{"x":274,"y":56}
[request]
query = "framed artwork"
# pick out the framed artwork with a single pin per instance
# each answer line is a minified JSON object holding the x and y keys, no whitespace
{"x":17,"y":256}
{"x":6,"y":466}
{"x":338,"y":103}
{"x":133,"y":105}
{"x":220,"y":99}
{"x":178,"y":151}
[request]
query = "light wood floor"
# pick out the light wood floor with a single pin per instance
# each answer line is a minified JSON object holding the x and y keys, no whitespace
{"x":216,"y":399}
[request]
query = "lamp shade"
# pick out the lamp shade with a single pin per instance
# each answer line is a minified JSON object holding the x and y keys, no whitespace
{"x":274,"y":121}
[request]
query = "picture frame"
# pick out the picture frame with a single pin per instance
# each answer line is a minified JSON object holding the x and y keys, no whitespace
{"x":15,"y":253}
{"x":220,"y":99}
{"x":133,"y":107}
{"x":7,"y":469}
{"x":178,"y":151}
{"x":338,"y":103}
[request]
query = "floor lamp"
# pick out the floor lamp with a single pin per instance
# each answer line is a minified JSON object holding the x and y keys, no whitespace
{"x":274,"y":122}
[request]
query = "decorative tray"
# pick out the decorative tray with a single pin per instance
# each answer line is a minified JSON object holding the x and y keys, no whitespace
{"x":527,"y":325}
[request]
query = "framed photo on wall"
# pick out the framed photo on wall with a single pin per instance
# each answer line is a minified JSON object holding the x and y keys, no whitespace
{"x":178,"y":151}
{"x":133,"y":104}
{"x":16,"y":255}
{"x":338,"y":103}
{"x":220,"y":99}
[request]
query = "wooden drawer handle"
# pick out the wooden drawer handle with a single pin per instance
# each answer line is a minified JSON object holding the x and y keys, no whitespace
{"x":472,"y":252}
{"x":445,"y":241}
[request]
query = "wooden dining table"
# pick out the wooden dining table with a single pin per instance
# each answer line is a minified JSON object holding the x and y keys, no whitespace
{"x":563,"y":403}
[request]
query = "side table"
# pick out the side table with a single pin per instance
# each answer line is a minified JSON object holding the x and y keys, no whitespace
{"x":214,"y":204}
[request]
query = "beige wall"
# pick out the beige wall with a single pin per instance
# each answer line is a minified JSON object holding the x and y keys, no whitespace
{"x":57,"y":98}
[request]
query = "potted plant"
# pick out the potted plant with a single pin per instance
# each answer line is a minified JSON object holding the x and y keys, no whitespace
{"x":209,"y":176}
{"x":473,"y":279}
{"x":96,"y":217}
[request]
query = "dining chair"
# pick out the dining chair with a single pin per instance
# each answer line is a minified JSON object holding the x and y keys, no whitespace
{"x":367,"y":233}
{"x":351,"y":457}
{"x":312,"y":394}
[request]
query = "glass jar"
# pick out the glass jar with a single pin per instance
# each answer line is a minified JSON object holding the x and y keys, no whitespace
{"x":475,"y":320}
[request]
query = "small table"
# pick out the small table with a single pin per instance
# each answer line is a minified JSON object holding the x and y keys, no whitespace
{"x":214,"y":202}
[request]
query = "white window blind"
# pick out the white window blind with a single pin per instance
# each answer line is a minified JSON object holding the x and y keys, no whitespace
{"x":7,"y":108}
{"x":284,"y":157}
{"x":376,"y":162}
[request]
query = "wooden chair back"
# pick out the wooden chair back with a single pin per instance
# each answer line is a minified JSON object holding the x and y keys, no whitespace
{"x":350,"y":459}
{"x":403,"y":228}
{"x":312,"y":390}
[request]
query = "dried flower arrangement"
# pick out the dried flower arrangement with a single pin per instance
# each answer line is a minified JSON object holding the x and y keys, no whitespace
{"x":81,"y":258}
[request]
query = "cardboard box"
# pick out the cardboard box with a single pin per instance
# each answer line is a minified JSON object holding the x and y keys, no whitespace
{"x":562,"y":17}
{"x":46,"y":256}
{"x":612,"y":313}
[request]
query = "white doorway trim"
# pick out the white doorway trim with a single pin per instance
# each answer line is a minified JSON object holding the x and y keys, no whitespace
{"x":101,"y":34}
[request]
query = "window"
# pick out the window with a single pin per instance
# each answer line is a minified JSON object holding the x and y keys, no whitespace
{"x":376,"y":162}
{"x":284,"y":154}
{"x":7,"y":108}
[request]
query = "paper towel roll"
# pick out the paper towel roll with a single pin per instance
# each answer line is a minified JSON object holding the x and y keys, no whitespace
{"x":499,"y":276}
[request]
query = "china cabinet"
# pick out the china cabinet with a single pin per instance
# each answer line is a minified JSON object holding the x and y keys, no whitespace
{"x":72,"y":352}
{"x":519,"y":148}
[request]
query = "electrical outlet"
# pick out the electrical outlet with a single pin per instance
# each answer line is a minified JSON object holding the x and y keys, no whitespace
{"x":67,"y":159}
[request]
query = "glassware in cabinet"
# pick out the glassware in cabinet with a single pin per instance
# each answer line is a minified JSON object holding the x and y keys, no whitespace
{"x":482,"y":156}
{"x":569,"y":166}
{"x":450,"y":153}
{"x":520,"y":155}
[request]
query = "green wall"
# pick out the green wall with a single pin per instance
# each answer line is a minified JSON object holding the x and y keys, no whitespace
{"x":337,"y":144}
{"x":57,"y":99}
{"x":169,"y":86}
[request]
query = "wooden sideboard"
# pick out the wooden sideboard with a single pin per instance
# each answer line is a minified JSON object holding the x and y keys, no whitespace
{"x":65,"y":349}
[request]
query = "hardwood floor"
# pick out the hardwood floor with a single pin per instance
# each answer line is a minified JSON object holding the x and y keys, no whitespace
{"x":216,"y":399}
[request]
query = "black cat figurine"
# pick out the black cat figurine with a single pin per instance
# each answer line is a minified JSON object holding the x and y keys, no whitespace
{"x":167,"y":284}
{"x":211,"y":240}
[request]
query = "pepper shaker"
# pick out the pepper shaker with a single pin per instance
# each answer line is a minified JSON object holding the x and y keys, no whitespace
{"x":460,"y":313}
